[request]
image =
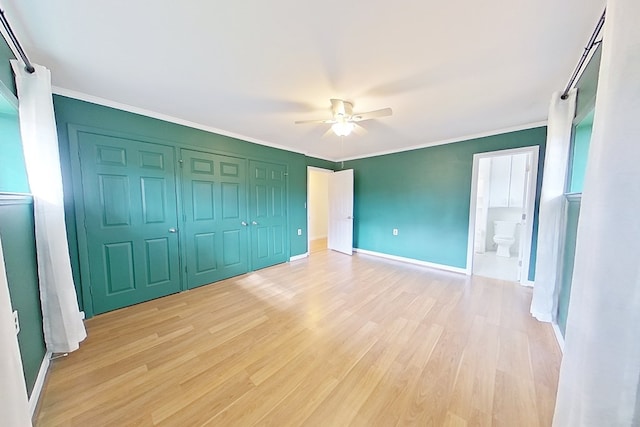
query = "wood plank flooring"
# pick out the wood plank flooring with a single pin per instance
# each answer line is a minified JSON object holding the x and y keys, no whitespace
{"x":331,"y":340}
{"x":317,"y":245}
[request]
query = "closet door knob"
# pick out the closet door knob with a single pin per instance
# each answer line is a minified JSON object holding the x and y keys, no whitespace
{"x":173,"y":230}
{"x":254,"y":223}
{"x":244,"y":223}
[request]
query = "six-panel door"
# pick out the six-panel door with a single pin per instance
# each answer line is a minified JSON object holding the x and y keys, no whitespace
{"x":215,"y":209}
{"x":129,"y":193}
{"x":131,"y":231}
{"x":268,"y":213}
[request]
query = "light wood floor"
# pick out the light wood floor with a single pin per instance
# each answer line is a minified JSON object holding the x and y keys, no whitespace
{"x":317,"y":245}
{"x":331,"y":340}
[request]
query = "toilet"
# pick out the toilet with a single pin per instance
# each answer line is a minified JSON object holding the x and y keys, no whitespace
{"x":504,"y":236}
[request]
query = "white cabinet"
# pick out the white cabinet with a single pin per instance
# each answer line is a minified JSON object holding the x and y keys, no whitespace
{"x":508,"y":176}
{"x":499,"y":179}
{"x":518,"y":180}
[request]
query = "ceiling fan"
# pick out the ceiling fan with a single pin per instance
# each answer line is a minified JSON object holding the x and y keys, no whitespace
{"x":344,"y":119}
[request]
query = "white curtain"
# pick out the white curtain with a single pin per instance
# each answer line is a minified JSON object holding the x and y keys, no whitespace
{"x":550,"y":219}
{"x":14,"y":406}
{"x":600,"y":373}
{"x":62,"y":324}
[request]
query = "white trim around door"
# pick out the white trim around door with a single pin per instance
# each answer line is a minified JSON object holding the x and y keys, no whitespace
{"x":527,"y":231}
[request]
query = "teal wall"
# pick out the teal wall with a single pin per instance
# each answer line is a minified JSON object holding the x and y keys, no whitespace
{"x":13,"y":175}
{"x":17,"y":233}
{"x":17,"y":229}
{"x":425,"y":194}
{"x":320,"y":163}
{"x":579,"y":153}
{"x":6,"y":74}
{"x":568,"y":257}
{"x":79,"y":113}
{"x":587,"y":86}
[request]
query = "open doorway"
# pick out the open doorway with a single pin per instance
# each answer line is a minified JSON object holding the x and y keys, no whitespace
{"x":501,"y":213}
{"x":317,"y":208}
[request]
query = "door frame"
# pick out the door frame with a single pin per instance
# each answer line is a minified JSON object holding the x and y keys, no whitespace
{"x":527,"y":233}
{"x":308,"y":205}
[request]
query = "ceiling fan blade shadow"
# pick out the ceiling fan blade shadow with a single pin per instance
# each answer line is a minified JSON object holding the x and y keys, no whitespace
{"x":328,"y":133}
{"x":378,"y":127}
{"x":267,"y":105}
{"x":403,"y":85}
{"x":315,"y":133}
{"x":359,"y":130}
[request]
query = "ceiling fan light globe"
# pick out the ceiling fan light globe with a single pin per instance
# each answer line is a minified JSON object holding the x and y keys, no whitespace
{"x":342,"y":128}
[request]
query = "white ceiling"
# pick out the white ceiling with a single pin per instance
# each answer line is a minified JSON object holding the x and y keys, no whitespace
{"x":250,"y":68}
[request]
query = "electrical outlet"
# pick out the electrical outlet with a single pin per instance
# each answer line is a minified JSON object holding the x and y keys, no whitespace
{"x":299,"y":231}
{"x":395,"y":231}
{"x":16,"y":322}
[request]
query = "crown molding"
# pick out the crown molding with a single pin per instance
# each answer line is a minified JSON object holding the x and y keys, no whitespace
{"x":69,"y":93}
{"x":452,"y":140}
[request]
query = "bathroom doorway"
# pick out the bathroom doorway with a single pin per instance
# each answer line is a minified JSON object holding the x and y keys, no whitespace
{"x":317,"y":208}
{"x":501,"y":213}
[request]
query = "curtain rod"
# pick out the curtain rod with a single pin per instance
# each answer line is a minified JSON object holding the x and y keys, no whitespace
{"x":27,"y":64}
{"x":590,"y":45}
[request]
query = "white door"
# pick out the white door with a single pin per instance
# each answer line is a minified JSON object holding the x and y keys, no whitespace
{"x":340,"y":236}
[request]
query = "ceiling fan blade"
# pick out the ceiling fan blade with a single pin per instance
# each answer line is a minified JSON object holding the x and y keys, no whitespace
{"x":301,"y":122}
{"x":358,"y":117}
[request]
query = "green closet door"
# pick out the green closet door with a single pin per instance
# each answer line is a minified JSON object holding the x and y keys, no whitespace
{"x":129,"y":191}
{"x":268,"y":214}
{"x":215,"y":210}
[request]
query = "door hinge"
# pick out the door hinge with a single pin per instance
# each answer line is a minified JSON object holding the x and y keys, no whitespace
{"x":524,"y":216}
{"x":519,"y":263}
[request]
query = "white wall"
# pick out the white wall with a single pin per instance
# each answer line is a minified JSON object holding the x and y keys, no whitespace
{"x":318,"y":199}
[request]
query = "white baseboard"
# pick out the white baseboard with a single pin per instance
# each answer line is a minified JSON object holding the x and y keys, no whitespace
{"x":299,"y":257}
{"x":413,"y":261}
{"x":559,"y":337}
{"x":37,"y":387}
{"x":527,"y":283}
{"x":542,"y":317}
